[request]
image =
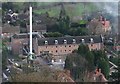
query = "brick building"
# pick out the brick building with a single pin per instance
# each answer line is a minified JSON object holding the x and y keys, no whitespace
{"x":56,"y":46}
{"x":19,"y":41}
{"x":65,"y":45}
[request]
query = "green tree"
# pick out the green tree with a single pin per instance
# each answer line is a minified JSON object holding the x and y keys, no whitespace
{"x":104,"y":66}
{"x":68,"y":63}
{"x":90,"y":58}
{"x":4,"y":56}
{"x":82,"y":49}
{"x":23,"y":24}
{"x":116,"y":75}
{"x":78,"y":66}
{"x":101,"y":61}
{"x":7,"y":5}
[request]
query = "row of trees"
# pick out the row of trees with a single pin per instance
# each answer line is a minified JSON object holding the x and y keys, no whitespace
{"x":65,"y":26}
{"x":53,"y":34}
{"x":86,"y":60}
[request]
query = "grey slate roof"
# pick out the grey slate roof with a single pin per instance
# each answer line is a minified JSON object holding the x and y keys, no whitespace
{"x":38,"y":27}
{"x":51,"y":40}
{"x":23,"y":36}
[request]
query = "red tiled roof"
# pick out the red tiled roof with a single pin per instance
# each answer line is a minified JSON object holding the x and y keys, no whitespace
{"x":63,"y":77}
{"x":106,"y":24}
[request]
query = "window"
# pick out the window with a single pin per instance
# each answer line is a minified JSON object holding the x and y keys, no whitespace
{"x":46,"y":46}
{"x":91,"y":44}
{"x":56,"y":41}
{"x":74,"y":41}
{"x":91,"y":40}
{"x":65,"y":41}
{"x":56,"y":46}
{"x":83,"y":41}
{"x":56,"y":51}
{"x":69,"y":45}
{"x":65,"y":45}
{"x":46,"y":42}
{"x":69,"y":50}
{"x":65,"y":50}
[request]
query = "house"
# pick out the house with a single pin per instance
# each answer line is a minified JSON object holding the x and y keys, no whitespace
{"x":20,"y":41}
{"x":41,"y":28}
{"x":105,"y":23}
{"x":99,"y":26}
{"x":95,"y":27}
{"x":8,"y":30}
{"x":64,"y":76}
{"x":117,"y":48}
{"x":97,"y":76}
{"x":65,"y":45}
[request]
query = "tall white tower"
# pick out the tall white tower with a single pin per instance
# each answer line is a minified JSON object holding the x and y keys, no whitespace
{"x":31,"y":53}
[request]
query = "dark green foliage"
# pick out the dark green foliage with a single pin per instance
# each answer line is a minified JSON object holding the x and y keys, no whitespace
{"x":114,"y":60}
{"x":75,"y":25}
{"x":68,"y":63}
{"x":104,"y":66}
{"x":53,"y":34}
{"x":53,"y":28}
{"x":101,"y":61}
{"x":77,"y":64}
{"x":116,"y":75}
{"x":65,"y":27}
{"x":83,"y":48}
{"x":23,"y":24}
{"x":84,"y":51}
{"x":96,"y":58}
{"x":7,"y":6}
{"x":4,"y":56}
{"x":77,"y":31}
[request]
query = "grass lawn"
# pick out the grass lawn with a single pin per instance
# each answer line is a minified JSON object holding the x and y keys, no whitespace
{"x":53,"y":12}
{"x":71,"y":9}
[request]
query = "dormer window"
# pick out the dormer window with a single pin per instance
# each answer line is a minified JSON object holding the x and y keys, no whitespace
{"x":46,"y":42}
{"x":56,"y":41}
{"x":74,"y":41}
{"x":83,"y":40}
{"x":91,"y":40}
{"x":65,"y":41}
